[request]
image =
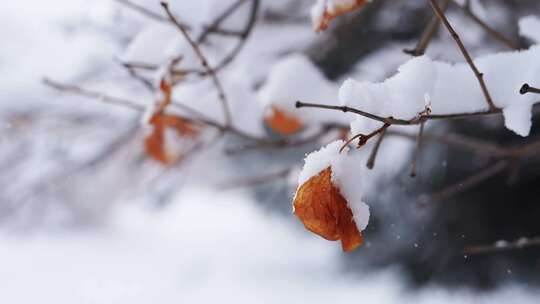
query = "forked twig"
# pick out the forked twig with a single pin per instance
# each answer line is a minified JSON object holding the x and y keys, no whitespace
{"x":363,"y":138}
{"x":395,"y":121}
{"x":427,"y":34}
{"x":204,"y":62}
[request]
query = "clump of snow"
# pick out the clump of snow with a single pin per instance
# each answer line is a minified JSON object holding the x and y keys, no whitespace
{"x":348,"y":176}
{"x":327,"y":156}
{"x":348,"y":181}
{"x":403,"y":94}
{"x":452,"y":88}
{"x":522,"y":241}
{"x":296,"y":78}
{"x":529,"y":27}
{"x":153,"y":44}
{"x":293,"y":78}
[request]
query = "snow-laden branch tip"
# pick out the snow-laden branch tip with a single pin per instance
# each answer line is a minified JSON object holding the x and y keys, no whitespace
{"x":451,"y":88}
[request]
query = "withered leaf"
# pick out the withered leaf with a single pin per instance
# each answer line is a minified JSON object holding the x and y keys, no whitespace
{"x":154,"y":143}
{"x":283,"y":123}
{"x":324,"y":211}
{"x":337,"y":10}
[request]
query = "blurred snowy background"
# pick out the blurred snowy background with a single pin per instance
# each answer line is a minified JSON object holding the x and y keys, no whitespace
{"x":85,"y":217}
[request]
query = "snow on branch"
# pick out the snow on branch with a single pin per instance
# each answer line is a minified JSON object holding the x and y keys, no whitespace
{"x":451,"y":89}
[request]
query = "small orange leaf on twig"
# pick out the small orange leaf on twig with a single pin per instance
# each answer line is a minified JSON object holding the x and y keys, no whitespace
{"x":326,"y":10}
{"x":283,"y":123}
{"x":155,"y":143}
{"x":324,"y":211}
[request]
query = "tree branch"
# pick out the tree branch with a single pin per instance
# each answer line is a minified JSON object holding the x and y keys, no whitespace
{"x":499,"y":246}
{"x":528,"y":89}
{"x":427,"y":34}
{"x":204,"y":62}
{"x":455,"y":36}
{"x":395,"y":121}
{"x":493,"y":33}
{"x":373,"y":156}
{"x":417,"y":149}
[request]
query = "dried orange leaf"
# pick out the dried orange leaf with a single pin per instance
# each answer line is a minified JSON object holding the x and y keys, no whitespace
{"x":324,"y":211}
{"x":180,"y":125}
{"x":166,"y":89}
{"x":155,"y":144}
{"x":325,"y":11}
{"x":283,"y":123}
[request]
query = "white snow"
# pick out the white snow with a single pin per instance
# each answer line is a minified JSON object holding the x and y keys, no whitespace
{"x":154,"y":44}
{"x":452,"y":88}
{"x":327,"y":156}
{"x":529,"y":27}
{"x":296,"y":78}
{"x":349,"y":178}
{"x":317,"y":13}
{"x":174,"y":256}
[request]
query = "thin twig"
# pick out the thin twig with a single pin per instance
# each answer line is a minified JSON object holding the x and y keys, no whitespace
{"x":363,"y":138}
{"x":285,"y":143}
{"x":461,"y":142}
{"x":217,"y":22}
{"x":93,"y":94}
{"x":465,"y":53}
{"x":204,"y":62}
{"x":243,"y":37}
{"x":396,"y":121}
{"x":417,"y":149}
{"x":135,"y":75}
{"x":227,"y":59}
{"x":488,"y":29}
{"x":427,"y":34}
{"x":499,"y":246}
{"x":465,"y":184}
{"x":196,"y":117}
{"x":373,"y":156}
{"x":144,"y":11}
{"x":346,"y":109}
{"x":528,"y":89}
